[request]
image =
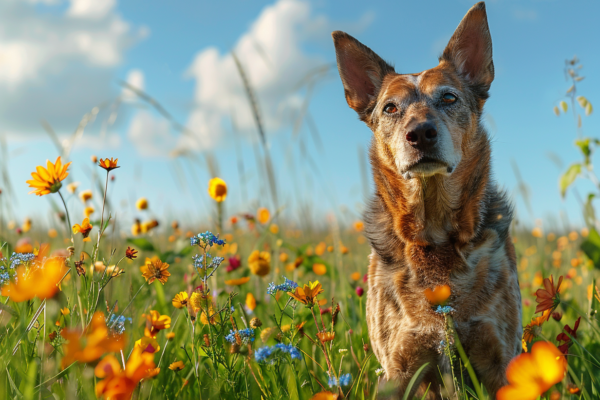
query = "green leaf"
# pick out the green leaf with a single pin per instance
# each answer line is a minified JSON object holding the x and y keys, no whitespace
{"x":413,"y":380}
{"x":568,"y":178}
{"x":589,"y":214}
{"x":591,"y":247}
{"x":141,"y":243}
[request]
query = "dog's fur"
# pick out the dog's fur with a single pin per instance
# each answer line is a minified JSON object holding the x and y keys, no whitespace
{"x":437,"y":217}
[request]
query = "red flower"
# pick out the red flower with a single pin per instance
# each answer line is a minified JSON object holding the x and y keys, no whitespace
{"x":234,"y":263}
{"x":548,"y":298}
{"x":563,"y":337}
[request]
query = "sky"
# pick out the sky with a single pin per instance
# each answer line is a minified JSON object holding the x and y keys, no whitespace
{"x":65,"y":64}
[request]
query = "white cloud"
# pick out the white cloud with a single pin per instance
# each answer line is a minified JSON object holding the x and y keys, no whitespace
{"x":150,"y":135}
{"x":273,"y":56}
{"x":135,"y":78}
{"x":58,"y":65}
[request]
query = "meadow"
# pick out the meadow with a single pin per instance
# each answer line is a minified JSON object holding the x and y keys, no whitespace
{"x":247,"y":305}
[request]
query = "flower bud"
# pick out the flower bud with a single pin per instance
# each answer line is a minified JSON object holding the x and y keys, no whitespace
{"x":255,"y":323}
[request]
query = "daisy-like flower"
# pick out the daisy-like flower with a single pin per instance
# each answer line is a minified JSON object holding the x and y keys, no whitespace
{"x":131,"y":253}
{"x":151,"y":373}
{"x":217,"y":189}
{"x":180,"y":300}
{"x":307,"y":294}
{"x":177,"y":366}
{"x":85,"y":195}
{"x":156,"y":323}
{"x":120,"y":384}
{"x":563,"y":337}
{"x":259,"y":262}
{"x":48,"y":180}
{"x":156,"y":270}
{"x":549,"y":297}
{"x":109,"y":164}
{"x":84,"y":228}
{"x":237,"y":282}
{"x":534,"y":328}
{"x":148,"y":345}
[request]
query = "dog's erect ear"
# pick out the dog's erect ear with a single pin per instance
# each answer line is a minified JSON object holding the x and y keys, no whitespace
{"x":361,"y":70}
{"x":470,"y":48}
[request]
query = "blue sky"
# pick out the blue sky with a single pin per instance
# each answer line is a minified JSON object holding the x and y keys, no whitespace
{"x":60,"y":59}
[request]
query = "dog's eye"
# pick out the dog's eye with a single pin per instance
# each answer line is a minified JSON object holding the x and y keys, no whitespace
{"x":390,"y":108}
{"x":448,"y":98}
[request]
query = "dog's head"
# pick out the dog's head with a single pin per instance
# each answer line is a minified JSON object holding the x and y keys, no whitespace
{"x":422,"y":122}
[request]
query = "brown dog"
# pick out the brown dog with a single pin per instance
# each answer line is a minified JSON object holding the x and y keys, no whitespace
{"x":437,"y":217}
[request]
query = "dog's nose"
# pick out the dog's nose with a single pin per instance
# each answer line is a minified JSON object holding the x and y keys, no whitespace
{"x":422,"y":136}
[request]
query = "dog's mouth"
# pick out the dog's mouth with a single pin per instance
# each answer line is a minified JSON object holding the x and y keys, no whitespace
{"x":427,"y":166}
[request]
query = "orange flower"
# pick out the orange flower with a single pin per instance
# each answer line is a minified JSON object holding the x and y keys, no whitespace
{"x":156,"y":323}
{"x":263,"y":215}
{"x":237,"y":282}
{"x":40,"y":279}
{"x":359,"y":226}
{"x":156,"y":270}
{"x":259,"y":262}
{"x":180,"y":300}
{"x":84,"y":228}
{"x":48,"y":180}
{"x":326,"y":395}
{"x":531,"y":374}
{"x":439,"y":295}
{"x":308,"y":293}
{"x":108,"y":165}
{"x":533,"y":329}
{"x":118,"y":384}
{"x":250,"y":301}
{"x":151,"y":373}
{"x":355,"y":276}
{"x":217,"y":189}
{"x":320,"y":249}
{"x":548,"y":298}
{"x":89,"y":346}
{"x":141,"y":204}
{"x":177,"y":366}
{"x":319,"y":269}
{"x":85,"y":195}
{"x":326,"y":336}
{"x":148,"y":344}
{"x":131,"y":253}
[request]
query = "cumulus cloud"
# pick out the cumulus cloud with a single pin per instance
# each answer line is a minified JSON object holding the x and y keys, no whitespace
{"x":136,"y":79}
{"x":274,"y":57}
{"x":151,"y":135}
{"x":58,"y":65}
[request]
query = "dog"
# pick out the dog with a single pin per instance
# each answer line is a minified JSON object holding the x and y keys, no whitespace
{"x":437,"y":217}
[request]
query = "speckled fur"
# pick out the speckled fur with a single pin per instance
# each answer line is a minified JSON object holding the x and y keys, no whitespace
{"x":444,"y":229}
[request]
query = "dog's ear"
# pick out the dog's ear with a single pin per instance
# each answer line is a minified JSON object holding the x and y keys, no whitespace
{"x":361,"y":70}
{"x":470,"y":48}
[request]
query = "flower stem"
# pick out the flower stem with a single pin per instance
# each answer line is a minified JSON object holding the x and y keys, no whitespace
{"x":102,"y":218}
{"x":69,"y":226}
{"x":466,"y":360}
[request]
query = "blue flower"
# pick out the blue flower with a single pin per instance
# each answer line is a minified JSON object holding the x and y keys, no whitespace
{"x":246,"y":335}
{"x":286,"y":286}
{"x":444,"y":309}
{"x":206,"y":239}
{"x":332,"y":381}
{"x":345,"y":380}
{"x":117,"y":324}
{"x":264,"y":353}
{"x":20,"y":258}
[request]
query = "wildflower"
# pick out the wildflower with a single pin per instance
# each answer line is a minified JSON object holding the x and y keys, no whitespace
{"x":549,"y":297}
{"x":359,"y":291}
{"x":359,"y":226}
{"x":263,"y":215}
{"x":344,"y":249}
{"x":107,"y":164}
{"x":170,"y":336}
{"x":40,"y":280}
{"x":217,"y":189}
{"x":152,"y":372}
{"x":84,"y":228}
{"x":573,"y":389}
{"x":246,"y":336}
{"x":274,"y":229}
{"x":234,"y":263}
{"x":524,"y":345}
{"x":319,"y":269}
{"x":439,"y":295}
{"x":325,"y":395}
{"x":155,"y":323}
{"x":88,"y":211}
{"x":117,"y":324}
{"x":141,"y":204}
{"x":85,"y":195}
{"x":325,"y":337}
{"x":255,"y":323}
{"x":531,"y":374}
{"x":332,"y":382}
{"x":345,"y":380}
{"x":48,"y":180}
{"x":343,"y":351}
{"x":237,"y":282}
{"x":136,"y":228}
{"x":259,"y":262}
{"x":91,"y":345}
{"x":307,"y":294}
{"x":52,"y":233}
{"x":379,"y":371}
{"x":563,"y":337}
{"x":148,"y":345}
{"x":72,"y":187}
{"x":444,"y":309}
{"x":119,"y":384}
{"x":177,"y":366}
{"x":355,"y":276}
{"x":233,"y":220}
{"x":206,"y":239}
{"x":250,"y":301}
{"x":131,"y":253}
{"x":533,"y":329}
{"x":263,"y":354}
{"x":157,"y":270}
{"x":65,"y":311}
{"x":180,"y":300}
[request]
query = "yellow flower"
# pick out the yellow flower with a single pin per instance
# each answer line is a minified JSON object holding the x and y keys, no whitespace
{"x":359,"y":226}
{"x":177,"y":366}
{"x":170,"y":335}
{"x":308,"y":293}
{"x":65,"y":311}
{"x":52,"y":233}
{"x":326,"y":336}
{"x":107,"y":164}
{"x":84,"y":228}
{"x":283,"y":257}
{"x":72,"y":187}
{"x":118,"y":384}
{"x":148,"y":345}
{"x":85,"y":195}
{"x":263,"y":215}
{"x":180,"y":300}
{"x":152,"y":372}
{"x":250,"y":301}
{"x":88,"y":211}
{"x":48,"y":180}
{"x":259,"y":262}
{"x":217,"y":189}
{"x":319,"y":269}
{"x":156,"y":270}
{"x":136,"y":228}
{"x":141,"y":204}
{"x":237,"y":282}
{"x":266,"y":334}
{"x":156,"y":323}
{"x":274,"y":229}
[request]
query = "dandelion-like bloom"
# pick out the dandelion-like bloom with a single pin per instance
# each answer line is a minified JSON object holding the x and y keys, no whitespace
{"x":549,"y":297}
{"x":177,"y":366}
{"x":439,"y":295}
{"x":48,"y":180}
{"x":84,"y":228}
{"x":91,"y":345}
{"x":108,"y":164}
{"x":531,"y":374}
{"x":141,"y":204}
{"x":259,"y":262}
{"x":131,"y":253}
{"x":156,"y":270}
{"x":217,"y":189}
{"x":307,"y":294}
{"x":263,"y":215}
{"x":39,"y":280}
{"x":180,"y":300}
{"x":156,"y":323}
{"x":118,"y":384}
{"x":237,"y":282}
